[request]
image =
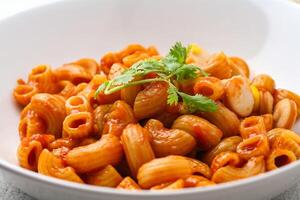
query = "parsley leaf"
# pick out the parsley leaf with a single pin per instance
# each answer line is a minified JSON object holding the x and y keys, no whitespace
{"x":172,"y":95}
{"x":179,"y":52}
{"x":198,"y":103}
{"x":189,"y":71}
{"x":101,"y":88}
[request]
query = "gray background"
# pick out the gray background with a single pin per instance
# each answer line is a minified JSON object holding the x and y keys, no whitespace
{"x":9,"y":192}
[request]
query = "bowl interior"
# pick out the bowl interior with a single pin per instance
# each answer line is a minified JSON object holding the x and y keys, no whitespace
{"x":70,"y":30}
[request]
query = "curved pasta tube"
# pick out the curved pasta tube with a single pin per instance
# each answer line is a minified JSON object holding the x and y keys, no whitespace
{"x":209,"y":86}
{"x":129,"y":94}
{"x":179,"y":184}
{"x":74,"y":73}
{"x":286,"y":142}
{"x":227,"y":144}
{"x":252,"y":126}
{"x":23,"y":93}
{"x":136,"y":144}
{"x":151,"y":101}
{"x":264,"y":82}
{"x":77,"y":103}
{"x":67,"y":89}
{"x":170,"y":168}
{"x":106,"y":151}
{"x":223,"y":159}
{"x":239,"y":66}
{"x":30,"y":125}
{"x":116,"y":70}
{"x":78,"y":125}
{"x":128,"y":184}
{"x":280,"y":94}
{"x":274,"y":133}
{"x":278,"y":158}
{"x":268,"y":121}
{"x":98,"y":117}
{"x":167,"y":118}
{"x":51,"y":109}
{"x":257,"y":145}
{"x":51,"y":165}
{"x":69,"y":143}
{"x":238,"y":96}
{"x":206,"y":134}
{"x":119,"y":116}
{"x":43,"y":79}
{"x":169,"y":141}
{"x":218,"y":66}
{"x":224,"y":119}
{"x":108,"y":60}
{"x":254,"y":166}
{"x":285,"y":114}
{"x":133,"y":58}
{"x":197,"y":181}
{"x":266,"y":102}
{"x":28,"y":154}
{"x":130,"y":49}
{"x":90,"y":65}
{"x":107,"y":177}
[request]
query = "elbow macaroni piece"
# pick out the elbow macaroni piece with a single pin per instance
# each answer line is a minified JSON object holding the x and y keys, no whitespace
{"x":254,"y":166}
{"x":169,"y":168}
{"x":238,"y":96}
{"x":107,"y":177}
{"x":218,"y":66}
{"x":150,"y":101}
{"x":257,"y":145}
{"x":169,"y":141}
{"x":23,"y":93}
{"x":278,"y":158}
{"x":239,"y":67}
{"x":224,"y":119}
{"x":226,"y":145}
{"x":51,"y":109}
{"x":197,"y":181}
{"x":107,"y":151}
{"x":206,"y":134}
{"x":98,"y":117}
{"x":252,"y":126}
{"x":119,"y":116}
{"x":77,"y":103}
{"x":28,"y":154}
{"x":43,"y":79}
{"x":264,"y":82}
{"x":51,"y":165}
{"x":136,"y":144}
{"x":210,"y":87}
{"x":285,"y":114}
{"x":30,"y":125}
{"x":223,"y":159}
{"x":78,"y":125}
{"x":179,"y":184}
{"x":280,"y":94}
{"x":128,"y":184}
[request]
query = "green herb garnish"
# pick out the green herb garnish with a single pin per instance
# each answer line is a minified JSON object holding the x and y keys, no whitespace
{"x":169,"y":69}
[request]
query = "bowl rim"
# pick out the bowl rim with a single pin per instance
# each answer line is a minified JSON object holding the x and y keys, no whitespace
{"x":55,"y":182}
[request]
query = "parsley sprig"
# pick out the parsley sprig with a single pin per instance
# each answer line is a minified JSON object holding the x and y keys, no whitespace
{"x":169,"y":69}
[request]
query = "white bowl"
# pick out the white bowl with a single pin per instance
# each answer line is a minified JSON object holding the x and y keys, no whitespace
{"x":265,"y":33}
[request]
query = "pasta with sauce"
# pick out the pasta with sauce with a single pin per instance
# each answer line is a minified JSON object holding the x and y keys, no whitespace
{"x":139,"y":120}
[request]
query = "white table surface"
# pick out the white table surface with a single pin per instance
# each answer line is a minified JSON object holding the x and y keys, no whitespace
{"x":8,"y":191}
